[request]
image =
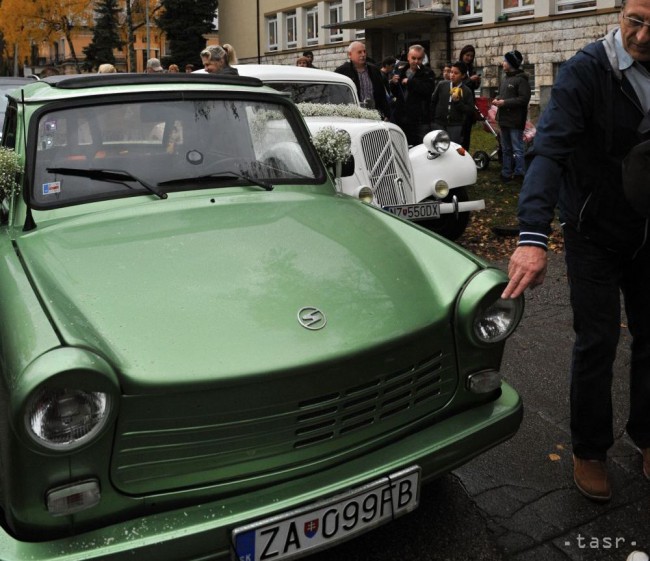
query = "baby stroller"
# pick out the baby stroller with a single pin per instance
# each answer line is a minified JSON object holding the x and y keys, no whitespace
{"x":482,"y":159}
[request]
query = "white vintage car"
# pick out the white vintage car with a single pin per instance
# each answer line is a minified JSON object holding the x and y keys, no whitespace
{"x":426,"y":183}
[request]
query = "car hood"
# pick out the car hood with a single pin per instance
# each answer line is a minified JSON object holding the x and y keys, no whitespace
{"x":175,"y":292}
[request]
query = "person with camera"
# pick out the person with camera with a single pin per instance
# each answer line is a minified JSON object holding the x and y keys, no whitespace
{"x":413,"y":89}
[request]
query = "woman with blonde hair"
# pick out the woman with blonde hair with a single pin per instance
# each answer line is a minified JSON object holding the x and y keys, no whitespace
{"x":106,"y":68}
{"x":217,"y":59}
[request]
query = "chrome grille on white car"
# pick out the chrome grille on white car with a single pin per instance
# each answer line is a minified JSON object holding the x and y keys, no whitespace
{"x":386,"y":158}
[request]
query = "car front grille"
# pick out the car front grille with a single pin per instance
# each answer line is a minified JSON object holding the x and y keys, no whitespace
{"x":279,"y":422}
{"x":386,"y":158}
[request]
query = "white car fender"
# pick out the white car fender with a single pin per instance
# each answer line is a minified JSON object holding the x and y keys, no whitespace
{"x":456,"y":166}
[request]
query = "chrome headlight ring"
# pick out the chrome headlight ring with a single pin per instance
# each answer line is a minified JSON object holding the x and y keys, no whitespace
{"x":437,"y":142}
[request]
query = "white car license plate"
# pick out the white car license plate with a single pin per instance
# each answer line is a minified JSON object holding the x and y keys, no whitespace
{"x":326,"y":523}
{"x":422,"y":211}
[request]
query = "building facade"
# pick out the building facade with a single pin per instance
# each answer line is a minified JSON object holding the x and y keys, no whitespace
{"x":547,"y":32}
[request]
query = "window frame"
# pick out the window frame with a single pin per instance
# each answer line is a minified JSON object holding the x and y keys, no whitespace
{"x":272,"y":32}
{"x":311,"y":32}
{"x":291,"y":29}
{"x":335,"y":33}
{"x":475,"y":14}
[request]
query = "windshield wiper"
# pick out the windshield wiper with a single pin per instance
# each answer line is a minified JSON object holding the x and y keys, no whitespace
{"x":110,"y":175}
{"x":218,"y":175}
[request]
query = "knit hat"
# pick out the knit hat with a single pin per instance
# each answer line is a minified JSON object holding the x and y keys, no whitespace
{"x":466,"y":49}
{"x":514,"y":59}
{"x":636,"y":167}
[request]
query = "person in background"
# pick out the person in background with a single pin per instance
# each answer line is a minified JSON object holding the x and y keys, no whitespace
{"x":413,"y":90}
{"x":106,"y":68}
{"x":153,"y":66}
{"x":302,"y":61}
{"x":445,"y":71}
{"x":473,"y":82}
{"x":189,"y":68}
{"x":173,"y":68}
{"x":217,"y":60}
{"x":512,"y":102}
{"x":389,"y":78}
{"x":588,"y":139}
{"x":451,"y":101}
{"x":310,"y":57}
{"x":366,"y":77}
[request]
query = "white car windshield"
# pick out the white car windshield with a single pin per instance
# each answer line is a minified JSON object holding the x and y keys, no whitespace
{"x":337,"y":94}
{"x":111,"y":150}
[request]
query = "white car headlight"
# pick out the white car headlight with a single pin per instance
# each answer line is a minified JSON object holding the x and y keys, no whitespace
{"x":64,"y":419}
{"x":365,"y":194}
{"x":441,"y":189}
{"x":437,"y":142}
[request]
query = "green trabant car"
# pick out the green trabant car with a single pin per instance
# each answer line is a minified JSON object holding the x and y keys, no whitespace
{"x":206,"y":352}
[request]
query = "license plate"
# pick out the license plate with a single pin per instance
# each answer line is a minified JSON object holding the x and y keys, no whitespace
{"x":326,"y":523}
{"x":422,"y":211}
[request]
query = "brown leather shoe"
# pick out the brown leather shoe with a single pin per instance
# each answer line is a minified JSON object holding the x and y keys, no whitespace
{"x":646,"y":462}
{"x":591,"y":478}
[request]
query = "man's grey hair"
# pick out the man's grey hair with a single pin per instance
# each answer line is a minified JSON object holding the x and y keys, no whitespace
{"x":418,"y":48}
{"x":354,"y":44}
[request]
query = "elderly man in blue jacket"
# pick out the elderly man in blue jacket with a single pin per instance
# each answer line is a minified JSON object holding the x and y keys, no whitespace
{"x":598,"y":112}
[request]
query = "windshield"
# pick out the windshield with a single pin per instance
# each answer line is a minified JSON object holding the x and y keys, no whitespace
{"x":97,"y":152}
{"x":338,"y":94}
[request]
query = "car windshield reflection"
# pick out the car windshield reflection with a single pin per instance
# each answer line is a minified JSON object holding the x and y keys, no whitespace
{"x":161,"y":142}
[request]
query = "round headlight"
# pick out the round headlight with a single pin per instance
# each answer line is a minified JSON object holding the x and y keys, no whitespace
{"x":441,"y":189}
{"x":365,"y":194}
{"x":64,"y":419}
{"x":498,"y":321}
{"x":437,"y":142}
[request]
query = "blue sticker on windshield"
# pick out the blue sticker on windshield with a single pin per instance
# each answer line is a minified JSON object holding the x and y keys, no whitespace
{"x":51,"y":188}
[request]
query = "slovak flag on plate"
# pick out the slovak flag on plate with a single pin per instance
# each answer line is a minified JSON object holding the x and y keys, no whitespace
{"x":311,"y":528}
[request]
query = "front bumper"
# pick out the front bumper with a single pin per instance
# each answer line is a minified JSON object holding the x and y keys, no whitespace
{"x":204,"y":531}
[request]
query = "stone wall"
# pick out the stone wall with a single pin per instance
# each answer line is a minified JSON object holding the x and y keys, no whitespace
{"x":545,"y":45}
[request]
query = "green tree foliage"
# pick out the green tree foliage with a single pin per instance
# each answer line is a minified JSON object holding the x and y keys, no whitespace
{"x":106,"y":35}
{"x":185,"y":24}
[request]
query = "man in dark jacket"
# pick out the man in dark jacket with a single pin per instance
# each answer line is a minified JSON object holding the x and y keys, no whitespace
{"x":599,"y":110}
{"x":512,"y":101}
{"x":413,"y":91}
{"x":366,"y":77}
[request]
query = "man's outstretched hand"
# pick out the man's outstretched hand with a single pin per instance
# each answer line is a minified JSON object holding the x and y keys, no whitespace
{"x":527,"y":269}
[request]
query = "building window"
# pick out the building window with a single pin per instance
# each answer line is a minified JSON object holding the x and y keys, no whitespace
{"x":312,"y":25}
{"x":402,"y":5}
{"x":336,"y":16}
{"x":518,"y":8}
{"x":469,"y":11}
{"x":563,"y":6}
{"x":272,"y":32}
{"x":292,"y":31}
{"x":359,"y":13}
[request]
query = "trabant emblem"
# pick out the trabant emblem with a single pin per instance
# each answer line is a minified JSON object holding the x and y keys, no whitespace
{"x":311,"y":318}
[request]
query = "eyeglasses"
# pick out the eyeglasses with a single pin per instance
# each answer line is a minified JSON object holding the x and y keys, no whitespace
{"x":634,"y":23}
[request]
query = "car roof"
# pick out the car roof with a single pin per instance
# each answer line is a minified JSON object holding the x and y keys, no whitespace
{"x":85,"y":85}
{"x":287,"y":73}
